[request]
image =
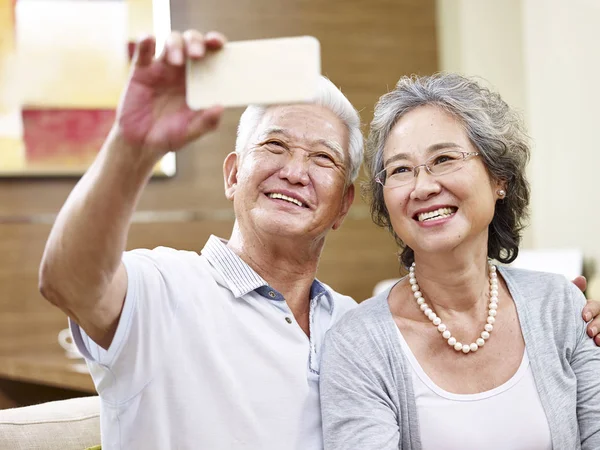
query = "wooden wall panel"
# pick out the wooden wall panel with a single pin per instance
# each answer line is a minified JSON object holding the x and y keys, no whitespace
{"x":366,"y":46}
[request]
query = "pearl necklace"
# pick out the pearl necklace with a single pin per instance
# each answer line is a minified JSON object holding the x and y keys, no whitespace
{"x":446,"y":334}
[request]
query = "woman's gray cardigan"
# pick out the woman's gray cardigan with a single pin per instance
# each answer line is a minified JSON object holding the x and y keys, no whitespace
{"x":367,"y":394}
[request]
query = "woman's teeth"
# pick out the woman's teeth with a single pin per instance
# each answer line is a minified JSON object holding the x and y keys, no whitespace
{"x":437,"y":214}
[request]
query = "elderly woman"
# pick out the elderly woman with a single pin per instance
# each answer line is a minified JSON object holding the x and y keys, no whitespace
{"x":462,"y":353}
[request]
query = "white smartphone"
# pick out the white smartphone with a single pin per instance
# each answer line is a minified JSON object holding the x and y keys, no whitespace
{"x":263,"y":72}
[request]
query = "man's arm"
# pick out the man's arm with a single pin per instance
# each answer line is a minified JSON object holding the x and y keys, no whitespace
{"x":81,"y":270}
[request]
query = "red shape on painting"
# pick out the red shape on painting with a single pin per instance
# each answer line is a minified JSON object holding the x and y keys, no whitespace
{"x":65,"y":137}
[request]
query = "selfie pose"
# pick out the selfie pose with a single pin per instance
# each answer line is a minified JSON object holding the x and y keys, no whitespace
{"x":222,"y":349}
{"x":462,"y":353}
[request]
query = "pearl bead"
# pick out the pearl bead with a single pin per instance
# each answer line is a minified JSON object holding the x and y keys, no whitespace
{"x":442,"y":328}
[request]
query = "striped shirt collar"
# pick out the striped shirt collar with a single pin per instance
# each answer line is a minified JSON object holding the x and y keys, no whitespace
{"x":239,"y":276}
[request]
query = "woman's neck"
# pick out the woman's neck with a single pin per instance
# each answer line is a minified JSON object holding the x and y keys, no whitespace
{"x":454,"y":283}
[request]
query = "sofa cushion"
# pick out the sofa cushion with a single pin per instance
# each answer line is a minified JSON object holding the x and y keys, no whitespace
{"x":65,"y":425}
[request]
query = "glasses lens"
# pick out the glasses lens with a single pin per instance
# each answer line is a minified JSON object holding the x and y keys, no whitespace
{"x":445,"y":162}
{"x":396,"y":174}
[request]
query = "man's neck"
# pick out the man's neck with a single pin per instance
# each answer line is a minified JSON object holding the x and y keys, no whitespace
{"x":287,"y":265}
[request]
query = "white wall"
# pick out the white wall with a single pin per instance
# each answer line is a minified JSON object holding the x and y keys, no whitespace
{"x":543,"y":56}
{"x":562,"y":66}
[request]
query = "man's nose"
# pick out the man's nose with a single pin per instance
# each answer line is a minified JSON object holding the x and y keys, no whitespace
{"x":295,"y":169}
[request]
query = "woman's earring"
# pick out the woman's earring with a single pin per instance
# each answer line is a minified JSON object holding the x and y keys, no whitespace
{"x":501,"y":193}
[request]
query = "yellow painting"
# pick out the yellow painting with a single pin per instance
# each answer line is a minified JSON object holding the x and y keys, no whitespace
{"x":63,"y":65}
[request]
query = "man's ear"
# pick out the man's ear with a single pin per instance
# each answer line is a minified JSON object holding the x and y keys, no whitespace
{"x":346,"y":204}
{"x":230,"y":170}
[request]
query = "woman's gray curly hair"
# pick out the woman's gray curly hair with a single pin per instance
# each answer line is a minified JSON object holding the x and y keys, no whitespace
{"x":495,"y":130}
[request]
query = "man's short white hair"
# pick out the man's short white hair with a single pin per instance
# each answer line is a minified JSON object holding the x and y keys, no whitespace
{"x":328,"y":96}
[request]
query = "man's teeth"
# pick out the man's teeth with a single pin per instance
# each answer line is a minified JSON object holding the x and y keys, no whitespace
{"x":437,"y":214}
{"x":286,"y":198}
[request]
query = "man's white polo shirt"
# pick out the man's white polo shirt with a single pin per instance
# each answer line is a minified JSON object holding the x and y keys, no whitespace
{"x":208,"y":356}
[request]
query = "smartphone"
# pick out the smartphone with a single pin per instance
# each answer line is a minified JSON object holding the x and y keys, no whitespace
{"x":263,"y":72}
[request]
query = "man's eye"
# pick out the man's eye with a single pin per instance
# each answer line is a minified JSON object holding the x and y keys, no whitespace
{"x":324,"y":159}
{"x":274,"y":146}
{"x":325,"y":156}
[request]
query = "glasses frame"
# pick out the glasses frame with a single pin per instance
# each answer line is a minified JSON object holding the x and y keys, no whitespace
{"x":415,"y":170}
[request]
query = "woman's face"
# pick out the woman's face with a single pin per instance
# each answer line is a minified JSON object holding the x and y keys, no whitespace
{"x":441,"y":213}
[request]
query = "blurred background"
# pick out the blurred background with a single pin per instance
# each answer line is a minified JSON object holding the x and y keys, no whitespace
{"x":64,"y":62}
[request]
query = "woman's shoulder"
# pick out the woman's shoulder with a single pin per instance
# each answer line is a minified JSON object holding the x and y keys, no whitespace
{"x":536,"y":284}
{"x":549,"y":293}
{"x":368,"y":317}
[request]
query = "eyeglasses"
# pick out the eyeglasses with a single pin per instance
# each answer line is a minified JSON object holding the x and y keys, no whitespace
{"x":400,"y":173}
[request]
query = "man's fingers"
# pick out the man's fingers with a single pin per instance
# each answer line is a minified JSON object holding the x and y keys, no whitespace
{"x":580,"y":282}
{"x":591,"y":310}
{"x":593,"y":328}
{"x":173,"y":52}
{"x":214,"y":40}
{"x":194,"y":43}
{"x":191,"y":44}
{"x":144,"y":51}
{"x":204,"y":121}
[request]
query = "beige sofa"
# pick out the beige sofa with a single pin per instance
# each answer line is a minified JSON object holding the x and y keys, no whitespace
{"x":64,"y":425}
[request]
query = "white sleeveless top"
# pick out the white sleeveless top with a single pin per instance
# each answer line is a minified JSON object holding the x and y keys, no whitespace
{"x":509,"y":417}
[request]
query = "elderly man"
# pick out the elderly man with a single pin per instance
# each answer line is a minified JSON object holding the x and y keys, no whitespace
{"x":219,"y":350}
